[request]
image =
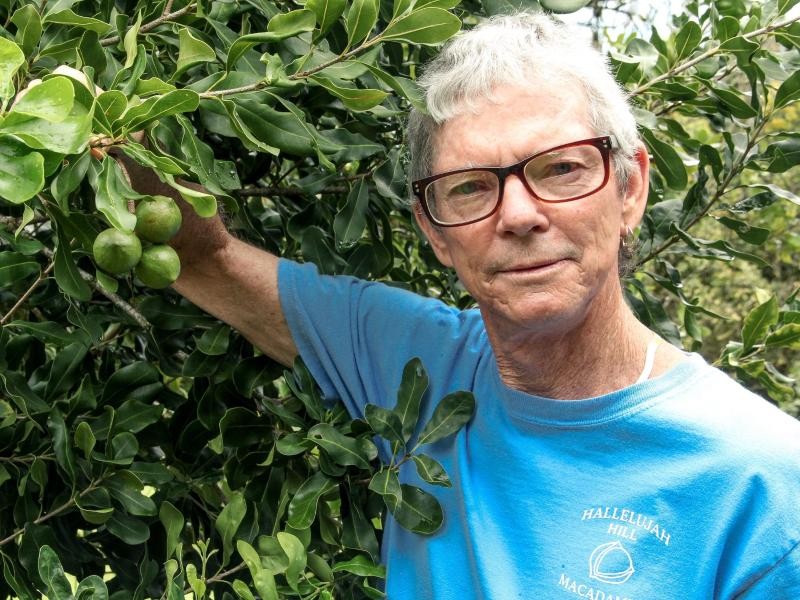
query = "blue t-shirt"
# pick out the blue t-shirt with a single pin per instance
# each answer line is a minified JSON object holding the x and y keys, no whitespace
{"x":683,"y":486}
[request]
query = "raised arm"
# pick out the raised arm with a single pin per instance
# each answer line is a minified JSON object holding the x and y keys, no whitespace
{"x":224,"y":276}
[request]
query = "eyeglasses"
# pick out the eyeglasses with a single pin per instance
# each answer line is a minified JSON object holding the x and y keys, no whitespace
{"x":561,"y":174}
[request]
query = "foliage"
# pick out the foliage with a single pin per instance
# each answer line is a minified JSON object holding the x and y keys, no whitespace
{"x":150,"y":451}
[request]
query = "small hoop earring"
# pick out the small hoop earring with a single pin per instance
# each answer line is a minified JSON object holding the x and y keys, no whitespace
{"x":628,"y":234}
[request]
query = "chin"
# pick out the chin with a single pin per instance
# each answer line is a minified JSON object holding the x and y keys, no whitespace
{"x":538,"y":313}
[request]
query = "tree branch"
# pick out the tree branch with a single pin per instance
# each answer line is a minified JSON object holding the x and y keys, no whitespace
{"x":290,"y":191}
{"x":254,"y":87}
{"x":42,"y":276}
{"x":736,"y":167}
{"x":154,"y":23}
{"x":53,"y":513}
{"x":119,"y":302}
{"x":707,"y":54}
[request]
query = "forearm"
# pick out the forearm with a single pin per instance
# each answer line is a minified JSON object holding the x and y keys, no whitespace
{"x":238,"y":284}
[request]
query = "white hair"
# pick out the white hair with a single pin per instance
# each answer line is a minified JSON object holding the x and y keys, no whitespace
{"x":507,"y":50}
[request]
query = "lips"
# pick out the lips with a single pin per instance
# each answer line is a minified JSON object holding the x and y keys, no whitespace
{"x":538,"y":265}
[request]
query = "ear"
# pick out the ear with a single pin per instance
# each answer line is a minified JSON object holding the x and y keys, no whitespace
{"x":635,"y":200}
{"x":434,"y":234}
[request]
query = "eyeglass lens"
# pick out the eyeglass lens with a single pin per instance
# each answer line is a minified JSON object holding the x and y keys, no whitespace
{"x":556,"y":176}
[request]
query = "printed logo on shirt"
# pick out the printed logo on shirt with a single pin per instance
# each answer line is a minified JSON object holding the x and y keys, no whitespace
{"x":611,"y":564}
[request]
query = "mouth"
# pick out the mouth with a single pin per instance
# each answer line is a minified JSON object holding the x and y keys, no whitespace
{"x":532,"y":268}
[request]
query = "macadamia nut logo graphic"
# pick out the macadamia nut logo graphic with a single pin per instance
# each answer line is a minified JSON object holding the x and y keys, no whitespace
{"x":611,"y":563}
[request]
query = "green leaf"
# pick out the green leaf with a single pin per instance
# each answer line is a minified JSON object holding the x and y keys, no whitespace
{"x":69,"y":178}
{"x":92,"y":588}
{"x":130,"y":530}
{"x":51,"y":100}
{"x":52,"y":573}
{"x":687,"y":40}
{"x":84,"y":438}
{"x":228,"y":522}
{"x":350,"y":221}
{"x":21,"y":171}
{"x":126,"y":488}
{"x":786,"y":336}
{"x":789,"y":91}
{"x":157,"y":108}
{"x":11,"y":59}
{"x":61,"y":443}
{"x":273,"y":557}
{"x":315,"y":249}
{"x":386,"y":424}
{"x":67,"y":275}
{"x":409,"y":396}
{"x":241,"y":427}
{"x":68,"y":17}
{"x":129,"y":42}
{"x":749,"y":233}
{"x":124,"y":447}
{"x":192,"y":51}
{"x":173,"y":522}
{"x":360,"y":20}
{"x":734,"y":103}
{"x":357,"y":531}
{"x":29,"y":28}
{"x":341,"y":448}
{"x":197,"y":584}
{"x":282,"y":130}
{"x":386,"y":483}
{"x":110,"y":199}
{"x":757,"y":323}
{"x":426,"y":26}
{"x":451,"y":414}
{"x":214,"y":341}
{"x":431,"y":471}
{"x":126,"y":380}
{"x":356,"y":99}
{"x":64,"y":370}
{"x":303,"y":507}
{"x":419,"y":511}
{"x":667,"y":160}
{"x":280,"y":27}
{"x":780,"y":157}
{"x":94,"y":515}
{"x":327,"y":12}
{"x":242,"y":590}
{"x":68,"y":136}
{"x":360,"y":565}
{"x":405,"y":87}
{"x":164,"y":164}
{"x":263,"y":580}
{"x":296,"y":552}
{"x":204,"y":204}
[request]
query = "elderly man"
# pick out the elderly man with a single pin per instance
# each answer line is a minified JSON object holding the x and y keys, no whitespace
{"x":601,"y":461}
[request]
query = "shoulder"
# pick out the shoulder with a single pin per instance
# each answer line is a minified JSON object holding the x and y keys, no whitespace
{"x":302,"y":283}
{"x":730,"y":418}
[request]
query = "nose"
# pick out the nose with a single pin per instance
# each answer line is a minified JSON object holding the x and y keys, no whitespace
{"x":520,"y":212}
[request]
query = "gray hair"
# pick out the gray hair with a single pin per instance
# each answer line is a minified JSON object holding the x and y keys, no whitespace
{"x":500,"y":51}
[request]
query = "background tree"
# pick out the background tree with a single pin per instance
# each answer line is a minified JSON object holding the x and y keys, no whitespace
{"x":148,"y":450}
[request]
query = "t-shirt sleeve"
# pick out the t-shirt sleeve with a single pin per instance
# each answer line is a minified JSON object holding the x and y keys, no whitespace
{"x":356,"y":336}
{"x":780,"y":582}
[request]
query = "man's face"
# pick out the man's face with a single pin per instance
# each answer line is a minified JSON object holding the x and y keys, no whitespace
{"x":533,"y":266}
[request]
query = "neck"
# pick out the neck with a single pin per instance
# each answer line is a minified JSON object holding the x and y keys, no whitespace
{"x":603,"y":352}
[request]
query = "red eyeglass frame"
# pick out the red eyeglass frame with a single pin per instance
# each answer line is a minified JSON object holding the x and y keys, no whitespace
{"x":605,"y":144}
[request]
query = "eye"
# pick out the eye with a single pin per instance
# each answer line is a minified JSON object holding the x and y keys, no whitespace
{"x":562,"y":168}
{"x":468,"y":188}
